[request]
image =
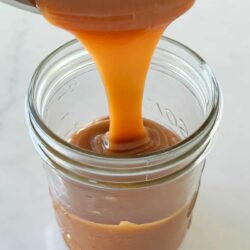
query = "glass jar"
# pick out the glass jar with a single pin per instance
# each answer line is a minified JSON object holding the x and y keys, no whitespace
{"x":127,"y":203}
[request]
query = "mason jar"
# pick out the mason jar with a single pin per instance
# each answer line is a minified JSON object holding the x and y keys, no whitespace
{"x":127,"y":203}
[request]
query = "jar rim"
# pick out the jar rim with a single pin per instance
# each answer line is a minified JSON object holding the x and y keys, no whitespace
{"x":205,"y":131}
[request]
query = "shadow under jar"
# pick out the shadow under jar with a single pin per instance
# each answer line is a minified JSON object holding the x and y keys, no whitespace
{"x":126,"y":203}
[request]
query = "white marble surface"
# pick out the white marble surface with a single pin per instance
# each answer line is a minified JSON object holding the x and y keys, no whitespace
{"x":219,"y":31}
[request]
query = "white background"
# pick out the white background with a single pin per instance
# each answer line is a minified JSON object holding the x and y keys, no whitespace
{"x":219,"y":30}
